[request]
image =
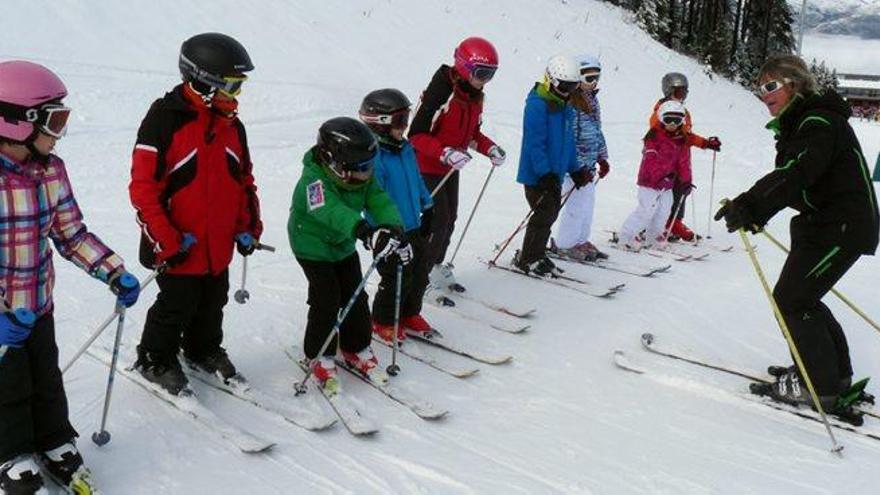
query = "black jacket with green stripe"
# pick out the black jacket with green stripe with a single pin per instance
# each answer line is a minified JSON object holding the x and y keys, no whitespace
{"x":820,"y":172}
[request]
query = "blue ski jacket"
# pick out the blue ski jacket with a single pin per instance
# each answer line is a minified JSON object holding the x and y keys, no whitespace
{"x":548,"y":137}
{"x":397,"y":171}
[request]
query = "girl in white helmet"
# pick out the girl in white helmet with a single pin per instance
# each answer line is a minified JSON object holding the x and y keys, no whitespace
{"x":666,"y":160}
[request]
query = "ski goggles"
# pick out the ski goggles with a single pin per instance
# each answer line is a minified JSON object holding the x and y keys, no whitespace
{"x":49,"y":118}
{"x":590,"y":77}
{"x":771,"y":87}
{"x":483,"y":72}
{"x":396,"y":120}
{"x":231,"y":85}
{"x":228,"y":85}
{"x":566,"y":87}
{"x":364,"y":166}
{"x":673,"y":119}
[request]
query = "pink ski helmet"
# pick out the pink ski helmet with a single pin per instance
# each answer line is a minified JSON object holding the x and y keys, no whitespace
{"x":476,"y":56}
{"x":30,"y":96}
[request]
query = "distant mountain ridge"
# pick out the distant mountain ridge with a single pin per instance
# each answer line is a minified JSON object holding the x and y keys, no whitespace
{"x":850,"y":17}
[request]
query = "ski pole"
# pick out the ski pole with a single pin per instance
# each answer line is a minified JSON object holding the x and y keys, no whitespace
{"x":836,"y":292}
{"x":97,"y":333}
{"x":471,"y":217}
{"x":442,"y":182}
{"x":673,"y":217}
{"x":523,"y":223}
{"x":711,"y":196}
{"x":242,"y":295}
{"x":694,"y":217}
{"x":393,"y":369}
{"x":835,"y":447}
{"x":300,"y":387}
{"x":102,"y":437}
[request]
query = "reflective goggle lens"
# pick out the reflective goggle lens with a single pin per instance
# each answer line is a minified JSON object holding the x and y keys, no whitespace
{"x":232,"y":85}
{"x":53,"y":120}
{"x":589,"y":76}
{"x":364,"y":166}
{"x":770,"y":87}
{"x":484,"y":72}
{"x":672,"y":119}
{"x":566,"y":87}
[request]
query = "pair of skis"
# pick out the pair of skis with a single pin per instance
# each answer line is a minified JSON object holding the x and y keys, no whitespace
{"x":648,"y":340}
{"x":562,"y":280}
{"x":356,"y":423}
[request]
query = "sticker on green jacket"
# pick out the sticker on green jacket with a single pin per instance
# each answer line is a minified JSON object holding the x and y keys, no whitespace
{"x":316,"y":195}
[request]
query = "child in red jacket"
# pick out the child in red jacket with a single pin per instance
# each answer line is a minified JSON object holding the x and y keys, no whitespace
{"x":447,"y":123}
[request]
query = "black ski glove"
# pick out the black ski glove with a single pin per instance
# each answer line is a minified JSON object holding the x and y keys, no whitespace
{"x":737,"y":215}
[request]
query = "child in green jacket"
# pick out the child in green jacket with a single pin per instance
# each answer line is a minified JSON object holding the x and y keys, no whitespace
{"x":326,"y":218}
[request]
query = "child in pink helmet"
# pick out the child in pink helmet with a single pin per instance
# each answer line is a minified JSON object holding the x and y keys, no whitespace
{"x":37,"y":205}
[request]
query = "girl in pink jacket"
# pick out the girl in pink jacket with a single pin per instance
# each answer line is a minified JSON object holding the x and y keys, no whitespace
{"x":665,"y":163}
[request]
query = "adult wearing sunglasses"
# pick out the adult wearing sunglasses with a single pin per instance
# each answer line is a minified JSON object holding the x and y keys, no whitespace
{"x":446,"y":124}
{"x":193,"y":189}
{"x":576,"y":219}
{"x":821,"y":173}
{"x":37,"y":206}
{"x":546,"y":157}
{"x":675,"y":87}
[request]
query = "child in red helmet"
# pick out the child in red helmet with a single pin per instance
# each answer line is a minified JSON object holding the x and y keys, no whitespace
{"x":447,"y":124}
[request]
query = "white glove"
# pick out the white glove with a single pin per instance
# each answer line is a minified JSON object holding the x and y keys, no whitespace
{"x":405,"y":253}
{"x":455,"y":158}
{"x":383,"y":242}
{"x":497,"y":155}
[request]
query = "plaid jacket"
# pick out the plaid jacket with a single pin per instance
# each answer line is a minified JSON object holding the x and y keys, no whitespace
{"x":37,"y":204}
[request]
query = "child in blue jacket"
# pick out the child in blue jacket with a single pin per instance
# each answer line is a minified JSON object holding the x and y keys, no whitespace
{"x":547,"y":155}
{"x":386,"y":112}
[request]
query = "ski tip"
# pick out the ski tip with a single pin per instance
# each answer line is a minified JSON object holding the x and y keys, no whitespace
{"x":647,"y":339}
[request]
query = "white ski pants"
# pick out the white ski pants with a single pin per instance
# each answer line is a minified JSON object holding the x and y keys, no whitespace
{"x":576,"y":219}
{"x":650,"y":215}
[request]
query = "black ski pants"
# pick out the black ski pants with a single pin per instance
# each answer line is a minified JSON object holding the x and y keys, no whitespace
{"x":679,"y":201}
{"x":331,"y":285}
{"x":33,"y":404}
{"x":415,"y":281}
{"x":810,"y":271}
{"x":443,"y":222}
{"x":187,"y":314}
{"x":545,"y":203}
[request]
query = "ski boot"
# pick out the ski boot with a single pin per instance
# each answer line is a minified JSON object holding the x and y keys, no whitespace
{"x":441,"y":276}
{"x":163,"y":371}
{"x":21,"y":476}
{"x":217,"y":363}
{"x":789,"y":389}
{"x":65,"y":466}
{"x":593,"y":251}
{"x":681,"y":231}
{"x":542,"y":267}
{"x":853,"y":393}
{"x":385,"y":333}
{"x":324,"y":372}
{"x":366,"y":363}
{"x":418,"y":325}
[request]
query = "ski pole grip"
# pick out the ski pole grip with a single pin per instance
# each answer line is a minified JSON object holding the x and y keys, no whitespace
{"x":23,"y":317}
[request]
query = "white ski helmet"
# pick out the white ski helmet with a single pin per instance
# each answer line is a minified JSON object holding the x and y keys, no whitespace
{"x":587,"y":61}
{"x":671,"y":108}
{"x":563,"y":74}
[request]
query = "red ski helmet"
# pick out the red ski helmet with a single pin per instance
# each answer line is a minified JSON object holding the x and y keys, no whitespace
{"x":476,"y":57}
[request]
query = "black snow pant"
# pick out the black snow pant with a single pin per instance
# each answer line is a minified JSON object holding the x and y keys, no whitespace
{"x":443,"y":222}
{"x":415,"y":281}
{"x":546,"y":208}
{"x":331,"y":285}
{"x":679,"y":201}
{"x":33,"y":404}
{"x":187,"y":314}
{"x":810,"y":271}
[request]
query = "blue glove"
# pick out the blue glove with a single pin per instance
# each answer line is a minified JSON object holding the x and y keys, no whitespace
{"x":16,"y":326}
{"x":245,"y":243}
{"x":127,"y":289}
{"x":181,"y":254}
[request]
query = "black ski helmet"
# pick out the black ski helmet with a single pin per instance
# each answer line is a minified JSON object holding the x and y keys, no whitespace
{"x":346,"y":145}
{"x":207,"y":57}
{"x":380,"y":106}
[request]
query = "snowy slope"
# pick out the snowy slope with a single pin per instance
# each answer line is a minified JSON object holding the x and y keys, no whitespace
{"x":845,"y":17}
{"x":560,"y":418}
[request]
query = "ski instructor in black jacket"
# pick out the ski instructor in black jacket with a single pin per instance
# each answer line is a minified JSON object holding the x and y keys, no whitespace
{"x":820,"y":172}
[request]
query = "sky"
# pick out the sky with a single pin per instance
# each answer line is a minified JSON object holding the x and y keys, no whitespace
{"x":848,"y":54}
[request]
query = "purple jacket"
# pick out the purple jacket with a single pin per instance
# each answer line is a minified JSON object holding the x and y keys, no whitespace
{"x":666,"y":159}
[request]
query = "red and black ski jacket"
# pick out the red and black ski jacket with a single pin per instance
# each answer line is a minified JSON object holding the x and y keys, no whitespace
{"x":191,"y":173}
{"x":449,"y":114}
